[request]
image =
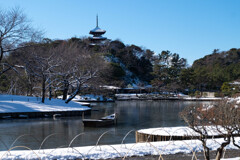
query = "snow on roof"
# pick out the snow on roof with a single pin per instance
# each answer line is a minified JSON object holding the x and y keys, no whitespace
{"x":98,"y":38}
{"x":110,"y":87}
{"x":13,"y":103}
{"x":97,"y":30}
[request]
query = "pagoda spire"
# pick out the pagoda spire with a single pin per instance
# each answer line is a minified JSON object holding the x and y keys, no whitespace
{"x":97,"y":20}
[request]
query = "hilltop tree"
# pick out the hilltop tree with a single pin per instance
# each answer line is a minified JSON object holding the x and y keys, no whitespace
{"x":133,"y":59}
{"x":187,"y":78}
{"x":166,"y":70}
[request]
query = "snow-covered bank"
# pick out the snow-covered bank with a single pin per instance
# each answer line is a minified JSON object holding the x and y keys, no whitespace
{"x":113,"y":151}
{"x":135,"y":96}
{"x":89,"y":98}
{"x":13,"y":103}
{"x":182,"y":131}
{"x":202,"y":98}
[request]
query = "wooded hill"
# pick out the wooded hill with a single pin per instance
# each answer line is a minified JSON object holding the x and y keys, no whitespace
{"x":65,"y":65}
{"x":211,"y":71}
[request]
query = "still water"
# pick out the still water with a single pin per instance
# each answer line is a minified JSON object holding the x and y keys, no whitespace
{"x":132,"y":115}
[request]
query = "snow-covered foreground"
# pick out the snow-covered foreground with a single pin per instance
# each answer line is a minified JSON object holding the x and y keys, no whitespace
{"x":237,"y":158}
{"x":113,"y":151}
{"x":12,"y":103}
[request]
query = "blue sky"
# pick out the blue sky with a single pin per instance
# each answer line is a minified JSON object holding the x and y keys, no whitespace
{"x":191,"y":28}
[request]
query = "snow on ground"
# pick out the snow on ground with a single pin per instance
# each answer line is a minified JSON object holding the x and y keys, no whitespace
{"x":181,"y":131}
{"x":13,"y":103}
{"x":203,"y":98}
{"x":110,"y":87}
{"x":89,"y":97}
{"x":237,"y":158}
{"x":113,"y":151}
{"x":237,"y":100}
{"x":128,"y":96}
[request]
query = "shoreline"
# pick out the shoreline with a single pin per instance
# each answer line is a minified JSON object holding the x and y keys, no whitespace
{"x":170,"y":99}
{"x":23,"y":107}
{"x":50,"y":114}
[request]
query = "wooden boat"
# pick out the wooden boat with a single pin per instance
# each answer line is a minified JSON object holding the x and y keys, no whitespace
{"x":104,"y":121}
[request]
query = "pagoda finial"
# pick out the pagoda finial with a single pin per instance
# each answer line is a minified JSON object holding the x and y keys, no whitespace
{"x":97,"y":20}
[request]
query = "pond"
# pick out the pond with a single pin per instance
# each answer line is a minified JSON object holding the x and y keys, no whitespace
{"x":132,"y":115}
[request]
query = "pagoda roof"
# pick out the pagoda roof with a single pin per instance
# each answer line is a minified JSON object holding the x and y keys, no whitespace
{"x":98,"y":38}
{"x":97,"y":30}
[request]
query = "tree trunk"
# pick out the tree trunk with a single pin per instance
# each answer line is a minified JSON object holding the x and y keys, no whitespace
{"x":206,"y":153}
{"x":1,"y":52}
{"x":205,"y":148}
{"x":65,"y":90}
{"x":43,"y":89}
{"x":50,"y":89}
{"x":73,"y":95}
{"x":31,"y":90}
{"x":220,"y":149}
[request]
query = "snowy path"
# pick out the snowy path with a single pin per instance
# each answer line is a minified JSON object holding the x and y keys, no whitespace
{"x":113,"y":151}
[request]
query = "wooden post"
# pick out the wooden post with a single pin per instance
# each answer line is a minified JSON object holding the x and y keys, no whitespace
{"x":116,"y":118}
{"x":82,"y":115}
{"x":136,"y":136}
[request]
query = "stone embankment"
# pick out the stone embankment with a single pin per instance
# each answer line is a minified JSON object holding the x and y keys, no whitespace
{"x":176,"y":133}
{"x":25,"y":115}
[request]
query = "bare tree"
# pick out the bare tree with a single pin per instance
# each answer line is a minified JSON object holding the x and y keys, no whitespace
{"x":222,"y":118}
{"x":15,"y":30}
{"x":227,"y":121}
{"x":86,"y":67}
{"x":66,"y":52}
{"x":196,"y":120}
{"x":59,"y":65}
{"x":41,"y":62}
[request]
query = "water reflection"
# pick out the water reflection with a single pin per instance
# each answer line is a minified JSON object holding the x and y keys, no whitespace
{"x":131,"y":115}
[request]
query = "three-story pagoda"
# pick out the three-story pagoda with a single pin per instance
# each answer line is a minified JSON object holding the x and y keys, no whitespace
{"x":97,"y":34}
